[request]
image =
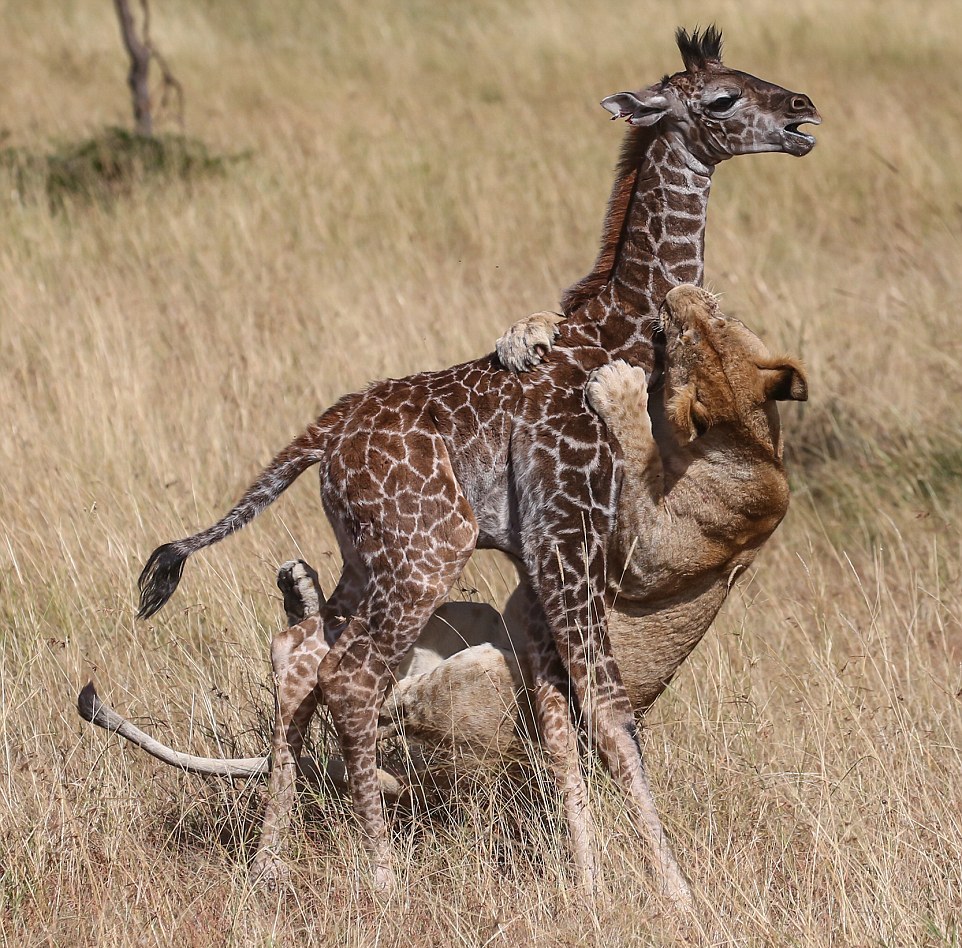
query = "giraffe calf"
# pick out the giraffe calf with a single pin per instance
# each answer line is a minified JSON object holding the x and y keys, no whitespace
{"x":415,"y":473}
{"x":712,"y":436}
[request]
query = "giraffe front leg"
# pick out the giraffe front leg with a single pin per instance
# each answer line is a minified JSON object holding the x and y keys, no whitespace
{"x":607,"y":714}
{"x":296,"y":654}
{"x":571,"y":583}
{"x":528,"y":341}
{"x":559,"y":740}
{"x":555,"y":727}
{"x":616,"y":737}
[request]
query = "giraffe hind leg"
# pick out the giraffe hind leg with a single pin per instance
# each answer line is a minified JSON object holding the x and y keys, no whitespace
{"x":296,"y":654}
{"x":354,"y":679}
{"x":408,"y":576}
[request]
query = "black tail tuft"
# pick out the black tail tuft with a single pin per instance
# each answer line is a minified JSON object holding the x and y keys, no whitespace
{"x":160,"y":578}
{"x":88,"y":704}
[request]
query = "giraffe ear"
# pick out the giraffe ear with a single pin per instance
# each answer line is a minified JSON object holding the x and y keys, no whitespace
{"x":640,"y":108}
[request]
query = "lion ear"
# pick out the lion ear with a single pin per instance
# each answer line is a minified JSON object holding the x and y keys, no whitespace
{"x":690,"y":415}
{"x":784,"y":380}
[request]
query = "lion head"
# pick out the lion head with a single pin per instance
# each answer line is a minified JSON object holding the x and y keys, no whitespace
{"x":718,"y":372}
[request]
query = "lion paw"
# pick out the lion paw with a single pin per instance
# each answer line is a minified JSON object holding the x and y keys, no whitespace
{"x":618,"y":392}
{"x":528,"y":341}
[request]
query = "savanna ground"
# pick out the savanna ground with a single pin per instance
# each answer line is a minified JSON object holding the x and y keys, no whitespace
{"x":413,"y":178}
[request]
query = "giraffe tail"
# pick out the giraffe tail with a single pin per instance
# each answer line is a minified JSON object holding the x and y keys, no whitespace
{"x":163,"y":570}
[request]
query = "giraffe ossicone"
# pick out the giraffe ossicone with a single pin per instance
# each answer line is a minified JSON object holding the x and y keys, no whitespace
{"x":417,"y":472}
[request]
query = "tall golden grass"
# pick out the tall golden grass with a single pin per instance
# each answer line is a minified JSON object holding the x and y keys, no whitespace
{"x":419,"y":176}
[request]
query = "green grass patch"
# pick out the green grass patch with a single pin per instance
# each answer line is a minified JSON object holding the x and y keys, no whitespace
{"x":112,"y":164}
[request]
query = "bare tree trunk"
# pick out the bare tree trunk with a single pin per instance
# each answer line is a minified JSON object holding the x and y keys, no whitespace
{"x":139,"y":53}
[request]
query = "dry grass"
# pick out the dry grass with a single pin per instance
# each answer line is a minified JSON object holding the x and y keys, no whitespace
{"x":419,"y":176}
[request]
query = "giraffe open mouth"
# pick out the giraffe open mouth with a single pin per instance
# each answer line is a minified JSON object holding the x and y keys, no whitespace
{"x":799,"y":142}
{"x":792,"y":129}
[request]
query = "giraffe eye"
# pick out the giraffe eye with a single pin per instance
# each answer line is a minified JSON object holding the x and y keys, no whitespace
{"x":722,"y":103}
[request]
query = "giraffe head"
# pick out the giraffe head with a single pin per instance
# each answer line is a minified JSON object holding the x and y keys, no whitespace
{"x":718,"y":372}
{"x":719,"y":112}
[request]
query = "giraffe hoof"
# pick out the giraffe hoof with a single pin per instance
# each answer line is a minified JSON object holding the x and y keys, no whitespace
{"x":589,"y":881}
{"x":269,"y":872}
{"x":383,"y":882}
{"x":677,"y":892}
{"x":298,"y":582}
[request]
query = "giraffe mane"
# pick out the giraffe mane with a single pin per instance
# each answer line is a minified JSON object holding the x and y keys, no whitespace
{"x":699,"y":47}
{"x":633,"y":151}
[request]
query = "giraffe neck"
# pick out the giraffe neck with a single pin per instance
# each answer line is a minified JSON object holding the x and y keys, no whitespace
{"x":654,"y":239}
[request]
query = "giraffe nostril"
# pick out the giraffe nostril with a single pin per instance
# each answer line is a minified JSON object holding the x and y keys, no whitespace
{"x":800,"y":103}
